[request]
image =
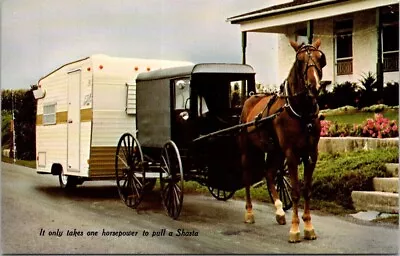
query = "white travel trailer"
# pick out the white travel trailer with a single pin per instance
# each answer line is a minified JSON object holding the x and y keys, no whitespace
{"x":83,"y":107}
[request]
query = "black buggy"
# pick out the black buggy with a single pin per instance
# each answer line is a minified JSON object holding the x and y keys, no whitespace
{"x":188,"y":121}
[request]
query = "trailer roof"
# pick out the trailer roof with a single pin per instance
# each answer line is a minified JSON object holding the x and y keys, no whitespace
{"x":201,"y":68}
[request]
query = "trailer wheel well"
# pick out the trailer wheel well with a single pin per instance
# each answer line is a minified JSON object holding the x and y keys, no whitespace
{"x":56,"y":169}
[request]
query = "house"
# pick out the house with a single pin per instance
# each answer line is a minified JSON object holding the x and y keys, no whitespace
{"x":358,"y":36}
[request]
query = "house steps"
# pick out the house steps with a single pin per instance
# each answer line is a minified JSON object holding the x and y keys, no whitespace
{"x":384,"y":198}
{"x":393,"y":168}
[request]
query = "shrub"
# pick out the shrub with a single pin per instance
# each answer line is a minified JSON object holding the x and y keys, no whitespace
{"x":337,"y":175}
{"x":375,"y":108}
{"x":391,"y":94}
{"x":345,"y":94}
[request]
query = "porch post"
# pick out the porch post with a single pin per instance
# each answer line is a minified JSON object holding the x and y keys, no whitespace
{"x":379,"y":64}
{"x":310,"y":31}
{"x":244,"y":45}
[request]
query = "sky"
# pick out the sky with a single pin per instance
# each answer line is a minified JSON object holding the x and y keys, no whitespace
{"x":38,"y":36}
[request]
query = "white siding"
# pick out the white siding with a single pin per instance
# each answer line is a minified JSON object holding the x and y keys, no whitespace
{"x":364,"y":48}
{"x":52,"y":140}
{"x":85,"y":148}
{"x":108,"y":126}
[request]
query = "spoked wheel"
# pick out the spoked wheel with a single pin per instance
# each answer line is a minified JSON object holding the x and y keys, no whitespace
{"x":129,"y":171}
{"x":220,"y":194}
{"x":171,"y":179}
{"x":283,"y":187}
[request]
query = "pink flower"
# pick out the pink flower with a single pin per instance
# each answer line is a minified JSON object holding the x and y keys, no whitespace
{"x":378,"y":116}
{"x":394,"y":127}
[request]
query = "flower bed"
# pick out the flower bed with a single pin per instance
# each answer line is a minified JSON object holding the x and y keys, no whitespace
{"x":378,"y":127}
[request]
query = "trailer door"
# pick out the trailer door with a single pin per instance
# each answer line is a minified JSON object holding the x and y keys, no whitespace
{"x":74,"y":119}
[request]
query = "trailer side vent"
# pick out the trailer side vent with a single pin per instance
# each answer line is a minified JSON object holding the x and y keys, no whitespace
{"x":130,"y":99}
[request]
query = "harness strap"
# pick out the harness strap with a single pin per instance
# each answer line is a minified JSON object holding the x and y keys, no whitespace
{"x":267,"y":107}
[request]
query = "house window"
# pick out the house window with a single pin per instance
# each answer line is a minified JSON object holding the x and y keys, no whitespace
{"x":344,"y":47}
{"x":49,"y":113}
{"x":301,"y":36}
{"x":390,"y":40}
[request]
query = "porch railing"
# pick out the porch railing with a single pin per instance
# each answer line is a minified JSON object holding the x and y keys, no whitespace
{"x":391,"y":61}
{"x":344,"y":66}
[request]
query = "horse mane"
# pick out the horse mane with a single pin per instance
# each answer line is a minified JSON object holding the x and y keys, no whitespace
{"x":294,"y":78}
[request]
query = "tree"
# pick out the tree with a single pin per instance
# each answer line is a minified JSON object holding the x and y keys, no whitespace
{"x":369,"y":94}
{"x":6,"y":134}
{"x":23,"y":104}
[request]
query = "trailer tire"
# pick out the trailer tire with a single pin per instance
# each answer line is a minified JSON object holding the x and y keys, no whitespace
{"x":67,"y":182}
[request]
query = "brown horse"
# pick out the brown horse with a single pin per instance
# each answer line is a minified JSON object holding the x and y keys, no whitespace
{"x":293,"y":133}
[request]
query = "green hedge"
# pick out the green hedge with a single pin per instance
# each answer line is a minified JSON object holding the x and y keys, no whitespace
{"x":337,"y":175}
{"x":334,"y":178}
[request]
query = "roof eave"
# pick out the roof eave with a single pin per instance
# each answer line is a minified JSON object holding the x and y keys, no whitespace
{"x":246,"y":17}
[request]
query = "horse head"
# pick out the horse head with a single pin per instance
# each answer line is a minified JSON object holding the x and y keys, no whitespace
{"x":309,"y":63}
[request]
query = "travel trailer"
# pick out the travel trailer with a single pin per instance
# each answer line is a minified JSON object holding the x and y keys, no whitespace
{"x":83,"y":107}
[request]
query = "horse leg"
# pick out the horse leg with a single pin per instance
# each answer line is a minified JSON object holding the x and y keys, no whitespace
{"x":309,"y":167}
{"x":249,"y":216}
{"x":293,"y":161}
{"x":275,"y":161}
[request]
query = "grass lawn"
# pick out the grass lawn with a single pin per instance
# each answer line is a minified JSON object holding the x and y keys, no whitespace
{"x":30,"y":164}
{"x":360,"y":117}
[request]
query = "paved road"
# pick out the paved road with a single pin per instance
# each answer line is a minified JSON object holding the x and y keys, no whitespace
{"x":32,"y":203}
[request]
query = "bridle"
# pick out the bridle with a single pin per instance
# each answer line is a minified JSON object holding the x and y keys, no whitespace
{"x":309,"y":49}
{"x":284,"y":91}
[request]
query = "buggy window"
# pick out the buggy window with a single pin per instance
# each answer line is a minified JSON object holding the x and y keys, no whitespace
{"x":182,"y":93}
{"x":237,"y":93}
{"x":221,"y":94}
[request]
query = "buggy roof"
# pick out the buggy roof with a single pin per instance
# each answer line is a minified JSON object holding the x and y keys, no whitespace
{"x":202,"y":68}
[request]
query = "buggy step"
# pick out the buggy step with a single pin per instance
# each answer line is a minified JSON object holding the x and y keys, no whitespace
{"x":152,"y":175}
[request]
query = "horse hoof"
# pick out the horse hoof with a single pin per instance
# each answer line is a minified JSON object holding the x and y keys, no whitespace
{"x":310,"y":234}
{"x":249,"y":218}
{"x":280,"y":219}
{"x":294,"y":237}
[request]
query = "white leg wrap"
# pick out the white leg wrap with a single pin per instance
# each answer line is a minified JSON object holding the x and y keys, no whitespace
{"x":279,"y":209}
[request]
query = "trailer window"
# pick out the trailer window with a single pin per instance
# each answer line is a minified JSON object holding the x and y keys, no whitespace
{"x":49,"y":113}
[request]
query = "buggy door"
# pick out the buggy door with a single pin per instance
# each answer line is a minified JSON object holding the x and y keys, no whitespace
{"x":73,"y":121}
{"x":182,"y":124}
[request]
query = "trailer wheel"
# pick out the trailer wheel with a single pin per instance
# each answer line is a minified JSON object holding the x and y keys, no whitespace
{"x":67,"y":181}
{"x":283,"y":187}
{"x":171,"y":179}
{"x":129,"y":171}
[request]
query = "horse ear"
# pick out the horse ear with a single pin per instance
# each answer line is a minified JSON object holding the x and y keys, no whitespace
{"x":317,"y":43}
{"x":295,"y":45}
